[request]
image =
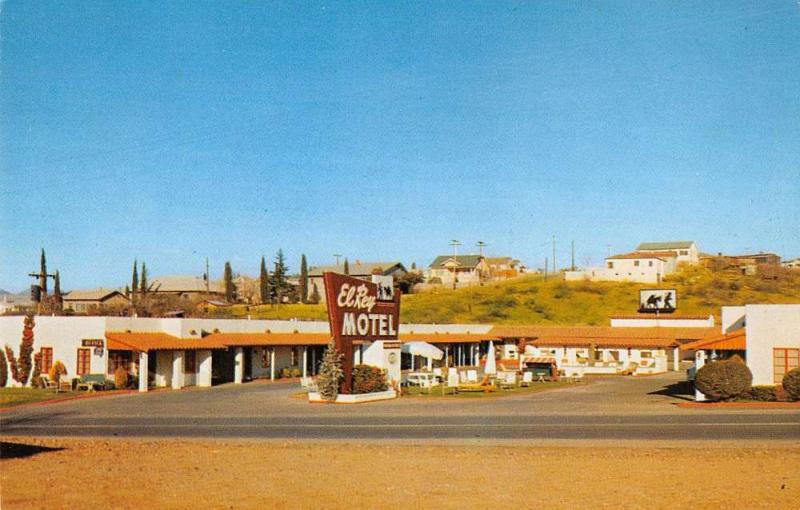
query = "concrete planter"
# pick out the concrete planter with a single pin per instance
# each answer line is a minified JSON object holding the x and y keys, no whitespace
{"x":315,"y":397}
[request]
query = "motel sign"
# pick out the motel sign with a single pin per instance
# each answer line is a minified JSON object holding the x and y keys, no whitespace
{"x":359,"y":312}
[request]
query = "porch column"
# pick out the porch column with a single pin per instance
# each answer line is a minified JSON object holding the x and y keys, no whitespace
{"x":699,"y":362}
{"x":430,"y":364}
{"x":676,"y":358}
{"x":305,"y":359}
{"x":204,"y":368}
{"x":474,"y":355}
{"x":412,"y":362}
{"x":272,"y":363}
{"x":177,"y":370}
{"x":143,"y":371}
{"x":447,"y":356}
{"x":238,"y":365}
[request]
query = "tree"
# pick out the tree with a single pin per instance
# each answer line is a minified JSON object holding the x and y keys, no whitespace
{"x":280,"y":287}
{"x":330,"y":373}
{"x":143,"y":281}
{"x":128,"y":291}
{"x":3,"y":370}
{"x":230,"y":287}
{"x":791,"y":383}
{"x":413,"y":266}
{"x":57,"y":298}
{"x":43,"y":272}
{"x":21,"y":366}
{"x":408,"y":280}
{"x":315,"y":297}
{"x":303,"y":279}
{"x":346,"y":266}
{"x":135,"y":278}
{"x":264,"y":283}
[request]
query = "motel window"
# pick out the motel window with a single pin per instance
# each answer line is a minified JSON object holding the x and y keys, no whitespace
{"x":784,"y":360}
{"x":636,"y":263}
{"x":84,"y":362}
{"x":650,"y":263}
{"x":189,"y":362}
{"x":294,"y":356}
{"x":611,"y":265}
{"x":47,"y":358}
{"x":684,"y":252}
{"x":118,"y":359}
{"x":646,"y":354}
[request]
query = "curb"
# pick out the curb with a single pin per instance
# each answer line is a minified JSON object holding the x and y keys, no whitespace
{"x":109,"y":393}
{"x":739,"y":405}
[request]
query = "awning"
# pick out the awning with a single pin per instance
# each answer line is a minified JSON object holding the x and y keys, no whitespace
{"x":146,"y":341}
{"x":736,"y":341}
{"x":539,"y":359}
{"x":423,"y":349}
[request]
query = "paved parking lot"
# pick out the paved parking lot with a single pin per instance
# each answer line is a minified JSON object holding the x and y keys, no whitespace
{"x":605,"y":408}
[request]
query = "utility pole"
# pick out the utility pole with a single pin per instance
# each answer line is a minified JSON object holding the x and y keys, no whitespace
{"x":481,"y":245}
{"x":38,"y":292}
{"x":337,"y":255}
{"x":208,"y":279}
{"x":572,"y":266}
{"x":455,"y":243}
{"x":546,"y":262}
{"x":555,"y":270}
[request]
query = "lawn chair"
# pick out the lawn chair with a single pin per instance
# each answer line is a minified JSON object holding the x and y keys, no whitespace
{"x":91,"y":382}
{"x":527,"y":379}
{"x":472,"y":376}
{"x":486,"y":386}
{"x":507,"y":380}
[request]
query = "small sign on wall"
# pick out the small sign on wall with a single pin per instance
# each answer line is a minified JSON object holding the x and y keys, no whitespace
{"x":93,"y":342}
{"x":657,"y":300}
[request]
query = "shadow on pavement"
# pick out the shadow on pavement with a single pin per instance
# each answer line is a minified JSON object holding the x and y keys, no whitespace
{"x":681,"y":390}
{"x":21,"y":450}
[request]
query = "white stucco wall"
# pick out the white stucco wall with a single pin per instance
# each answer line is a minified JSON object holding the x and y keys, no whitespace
{"x":649,"y":322}
{"x":769,"y":327}
{"x":63,"y":336}
{"x":732,"y":318}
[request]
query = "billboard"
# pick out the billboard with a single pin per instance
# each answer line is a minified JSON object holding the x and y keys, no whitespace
{"x":657,"y":300}
{"x":359,"y":310}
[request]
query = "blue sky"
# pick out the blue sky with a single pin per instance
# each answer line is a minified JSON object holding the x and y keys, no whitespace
{"x":175,"y":131}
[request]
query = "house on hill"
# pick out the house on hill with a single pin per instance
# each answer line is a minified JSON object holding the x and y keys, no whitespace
{"x":460,"y":269}
{"x":185,"y":287}
{"x":356,"y":269}
{"x":501,"y":268}
{"x":649,"y":263}
{"x":684,"y":251}
{"x":88,"y":300}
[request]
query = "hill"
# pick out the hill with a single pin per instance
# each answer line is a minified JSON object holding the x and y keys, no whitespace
{"x":531,"y":300}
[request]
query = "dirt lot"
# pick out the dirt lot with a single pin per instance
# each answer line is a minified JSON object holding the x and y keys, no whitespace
{"x":248,"y":474}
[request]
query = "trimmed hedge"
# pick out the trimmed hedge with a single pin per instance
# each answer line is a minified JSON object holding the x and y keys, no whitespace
{"x":723,"y":380}
{"x":121,"y":378}
{"x":791,"y":383}
{"x":761,"y":394}
{"x":368,"y":379}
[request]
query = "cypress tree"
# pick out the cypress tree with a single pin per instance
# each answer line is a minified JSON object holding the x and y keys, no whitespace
{"x":346,"y":267}
{"x":263,"y":280}
{"x":330,"y":373}
{"x":315,"y":297}
{"x":135,"y":277}
{"x":413,"y":266}
{"x":43,"y":273}
{"x":230,"y":288}
{"x":143,"y":280}
{"x":57,"y":291}
{"x":303,"y":280}
{"x":279,"y":284}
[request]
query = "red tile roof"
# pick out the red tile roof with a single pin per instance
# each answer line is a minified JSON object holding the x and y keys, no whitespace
{"x":736,"y":341}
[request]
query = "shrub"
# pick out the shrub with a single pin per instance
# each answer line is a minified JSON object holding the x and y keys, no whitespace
{"x":368,"y":379}
{"x":761,"y":394}
{"x":120,"y":378}
{"x":723,"y":380}
{"x":791,"y":383}
{"x":285,"y":373}
{"x":330,"y":373}
{"x":296,"y":372}
{"x":56,"y":371}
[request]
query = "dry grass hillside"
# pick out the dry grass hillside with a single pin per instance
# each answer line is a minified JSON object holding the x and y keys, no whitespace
{"x":531,"y":300}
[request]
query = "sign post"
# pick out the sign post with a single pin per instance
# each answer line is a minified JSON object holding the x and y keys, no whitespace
{"x":359,"y":311}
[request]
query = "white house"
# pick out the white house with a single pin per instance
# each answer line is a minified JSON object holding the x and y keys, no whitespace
{"x":356,"y":269}
{"x":685,"y":251}
{"x":460,"y":269}
{"x":766,"y":336}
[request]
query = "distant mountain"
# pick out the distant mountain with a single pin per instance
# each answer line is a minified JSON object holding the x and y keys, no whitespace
{"x":3,"y":292}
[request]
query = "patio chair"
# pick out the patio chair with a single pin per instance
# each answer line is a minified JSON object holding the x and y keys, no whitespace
{"x":507,"y":381}
{"x":472,"y":376}
{"x":47,"y":383}
{"x":486,"y":386}
{"x":527,"y":379}
{"x":90,"y":382}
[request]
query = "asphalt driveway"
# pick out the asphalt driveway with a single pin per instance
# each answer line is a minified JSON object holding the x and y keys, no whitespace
{"x":606,"y":408}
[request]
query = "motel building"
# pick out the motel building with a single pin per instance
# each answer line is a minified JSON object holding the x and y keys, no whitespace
{"x":178,"y":352}
{"x":767,"y":337}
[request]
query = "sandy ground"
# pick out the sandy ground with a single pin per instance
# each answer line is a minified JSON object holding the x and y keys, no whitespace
{"x":116,"y":473}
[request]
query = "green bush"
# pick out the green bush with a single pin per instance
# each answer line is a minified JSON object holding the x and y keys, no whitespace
{"x":296,"y":372}
{"x":791,"y":383}
{"x":723,"y":380}
{"x":368,"y":379}
{"x":3,"y":370}
{"x":761,"y":394}
{"x":285,"y":373}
